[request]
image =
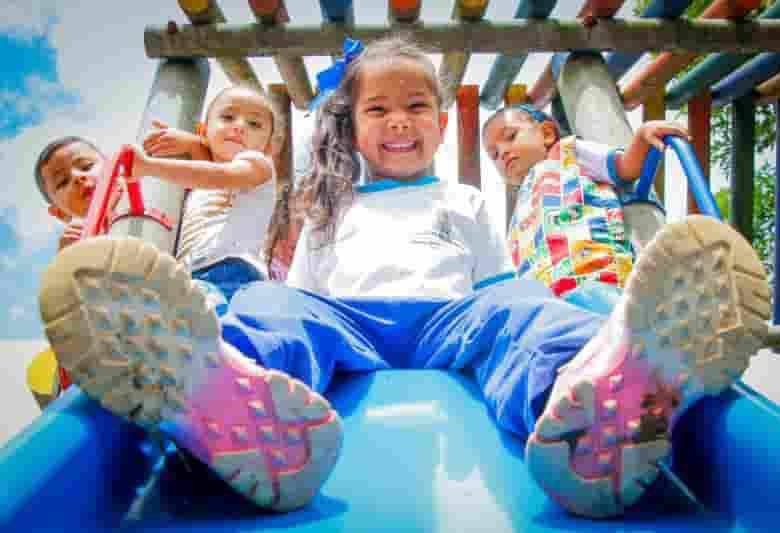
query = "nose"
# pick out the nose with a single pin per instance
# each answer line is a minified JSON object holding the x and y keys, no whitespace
{"x":398,"y":121}
{"x":503,"y":152}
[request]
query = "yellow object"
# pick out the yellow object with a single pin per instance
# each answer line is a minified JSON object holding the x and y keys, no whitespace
{"x":194,"y":7}
{"x":42,"y":375}
{"x":516,"y":94}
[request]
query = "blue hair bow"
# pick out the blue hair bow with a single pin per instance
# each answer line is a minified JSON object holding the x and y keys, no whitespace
{"x":328,"y":80}
{"x":536,"y":115}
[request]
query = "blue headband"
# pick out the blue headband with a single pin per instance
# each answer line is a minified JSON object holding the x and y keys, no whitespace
{"x":538,"y":116}
{"x":328,"y":80}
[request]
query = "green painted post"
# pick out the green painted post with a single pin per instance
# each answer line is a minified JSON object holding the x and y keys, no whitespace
{"x":742,"y":165}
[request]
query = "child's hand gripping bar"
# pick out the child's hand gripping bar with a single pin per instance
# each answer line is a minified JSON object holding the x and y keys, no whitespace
{"x":690,"y":163}
{"x":100,"y":216}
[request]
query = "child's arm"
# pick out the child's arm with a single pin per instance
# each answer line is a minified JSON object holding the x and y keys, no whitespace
{"x":166,"y":141}
{"x":628,"y":165}
{"x":244,"y":172}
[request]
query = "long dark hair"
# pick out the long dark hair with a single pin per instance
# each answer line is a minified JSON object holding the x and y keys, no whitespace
{"x":327,"y":186}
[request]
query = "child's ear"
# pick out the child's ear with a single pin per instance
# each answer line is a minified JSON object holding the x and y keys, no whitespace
{"x":549,"y":133}
{"x":443,"y":120}
{"x":59,"y":214}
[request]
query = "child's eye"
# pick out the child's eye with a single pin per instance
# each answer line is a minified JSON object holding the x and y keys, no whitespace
{"x":418,"y":106}
{"x":255,"y":124}
{"x":87,"y":165}
{"x":61,"y":183}
{"x":375,"y":110}
{"x":227,"y":117}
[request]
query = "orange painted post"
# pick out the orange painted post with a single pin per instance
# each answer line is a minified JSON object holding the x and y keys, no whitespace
{"x":269,"y":11}
{"x":404,"y":10}
{"x":699,"y":113}
{"x":657,"y":74}
{"x":654,"y":108}
{"x":467,"y":101}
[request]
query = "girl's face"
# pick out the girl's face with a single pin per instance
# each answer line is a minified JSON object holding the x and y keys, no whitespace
{"x":70,"y":177}
{"x":398,"y":126}
{"x":515,"y":143}
{"x":238,"y":120}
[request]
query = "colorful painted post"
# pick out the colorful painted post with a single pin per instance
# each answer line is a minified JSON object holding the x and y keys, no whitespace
{"x":713,"y":68}
{"x":742,"y":165}
{"x":699,"y":113}
{"x":176,"y":98}
{"x":467,"y":99}
{"x":403,"y":10}
{"x":654,"y":108}
{"x":743,"y":80}
{"x":341,"y":11}
{"x":291,"y":68}
{"x":206,"y":12}
{"x":657,"y":74}
{"x":507,"y":66}
{"x":453,"y":64}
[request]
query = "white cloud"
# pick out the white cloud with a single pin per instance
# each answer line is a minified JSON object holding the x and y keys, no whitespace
{"x":25,"y":20}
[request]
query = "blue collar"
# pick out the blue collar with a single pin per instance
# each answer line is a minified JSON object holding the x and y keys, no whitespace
{"x":387,"y":184}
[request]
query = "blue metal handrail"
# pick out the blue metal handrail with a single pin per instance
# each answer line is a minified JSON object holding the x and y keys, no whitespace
{"x":697,"y":183}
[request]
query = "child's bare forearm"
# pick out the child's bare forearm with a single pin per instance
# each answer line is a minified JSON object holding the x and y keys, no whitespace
{"x":237,"y":174}
{"x":650,"y":134}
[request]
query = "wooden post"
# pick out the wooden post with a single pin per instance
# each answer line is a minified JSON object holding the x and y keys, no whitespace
{"x":405,"y":11}
{"x":454,"y":63}
{"x":699,"y":113}
{"x":742,"y":165}
{"x":176,"y":98}
{"x":207,"y":12}
{"x":654,"y":108}
{"x":291,"y":68}
{"x":468,"y":135}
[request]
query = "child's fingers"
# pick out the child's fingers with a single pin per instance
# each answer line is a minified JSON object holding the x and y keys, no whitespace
{"x":159,"y":124}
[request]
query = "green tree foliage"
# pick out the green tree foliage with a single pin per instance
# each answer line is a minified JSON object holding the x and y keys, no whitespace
{"x":721,"y":152}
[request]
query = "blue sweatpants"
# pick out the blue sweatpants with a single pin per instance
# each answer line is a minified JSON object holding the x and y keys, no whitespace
{"x":221,"y":280}
{"x":511,"y":336}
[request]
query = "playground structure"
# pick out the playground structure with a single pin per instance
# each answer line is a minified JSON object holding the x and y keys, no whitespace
{"x":101,"y":461}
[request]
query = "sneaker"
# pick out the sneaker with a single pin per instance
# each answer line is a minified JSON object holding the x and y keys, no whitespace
{"x":693,"y":312}
{"x":137,"y":335}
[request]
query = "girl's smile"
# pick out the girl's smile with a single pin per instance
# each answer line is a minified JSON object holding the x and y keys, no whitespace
{"x":398,"y":126}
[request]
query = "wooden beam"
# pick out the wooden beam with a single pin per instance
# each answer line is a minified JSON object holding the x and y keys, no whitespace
{"x":454,"y":62}
{"x":403,"y":10}
{"x":543,"y":90}
{"x":291,"y":68}
{"x":742,"y":165}
{"x":699,"y":116}
{"x":657,"y":74}
{"x":207,"y":13}
{"x":468,"y":135}
{"x":654,"y":108}
{"x":478,"y":37}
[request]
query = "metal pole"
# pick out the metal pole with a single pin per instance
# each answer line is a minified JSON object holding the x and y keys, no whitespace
{"x":742,"y":165}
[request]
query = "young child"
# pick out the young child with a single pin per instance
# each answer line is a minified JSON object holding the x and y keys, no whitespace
{"x":67,"y":172}
{"x":407,"y":271}
{"x":567,"y":227}
{"x":232,"y":176}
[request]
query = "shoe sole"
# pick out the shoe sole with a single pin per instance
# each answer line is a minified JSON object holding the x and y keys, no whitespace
{"x":695,"y":311}
{"x":137,"y":335}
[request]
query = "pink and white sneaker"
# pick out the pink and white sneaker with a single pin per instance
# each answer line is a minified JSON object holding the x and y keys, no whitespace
{"x":135,"y":334}
{"x":693,"y":311}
